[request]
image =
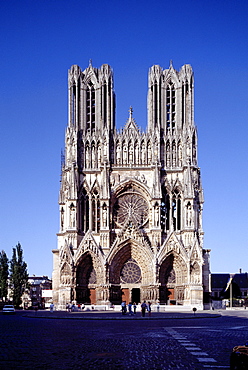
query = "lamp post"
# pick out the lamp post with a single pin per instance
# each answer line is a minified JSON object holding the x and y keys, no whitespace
{"x":231,"y":297}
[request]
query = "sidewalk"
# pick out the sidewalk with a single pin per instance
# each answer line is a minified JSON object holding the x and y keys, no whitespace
{"x":113,"y":315}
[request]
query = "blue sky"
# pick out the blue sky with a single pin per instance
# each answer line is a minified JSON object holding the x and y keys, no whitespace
{"x":41,"y":39}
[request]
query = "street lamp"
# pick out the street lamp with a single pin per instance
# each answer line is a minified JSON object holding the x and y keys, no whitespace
{"x":231,"y":295}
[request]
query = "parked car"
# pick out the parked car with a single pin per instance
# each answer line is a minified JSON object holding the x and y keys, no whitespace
{"x":8,"y":308}
{"x":239,"y":358}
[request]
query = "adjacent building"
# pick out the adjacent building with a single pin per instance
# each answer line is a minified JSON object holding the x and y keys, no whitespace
{"x":226,"y":286}
{"x":34,"y":297}
{"x":131,"y":201}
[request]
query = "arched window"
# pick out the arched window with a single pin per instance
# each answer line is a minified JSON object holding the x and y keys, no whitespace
{"x":173,"y":154}
{"x":105,"y":94}
{"x":87,"y":155}
{"x":73,"y":105}
{"x":154,"y":89}
{"x":90,"y":107}
{"x":170,"y":106}
{"x":93,"y":156}
{"x":136,"y":152}
{"x":179,"y":154}
{"x":165,"y":211}
{"x":176,"y":210}
{"x":168,"y":154}
{"x":149,"y":153}
{"x":84,"y":211}
{"x":95,"y":211}
{"x":194,"y":150}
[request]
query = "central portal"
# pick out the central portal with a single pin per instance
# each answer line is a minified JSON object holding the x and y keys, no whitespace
{"x":136,"y":295}
{"x":130,"y":295}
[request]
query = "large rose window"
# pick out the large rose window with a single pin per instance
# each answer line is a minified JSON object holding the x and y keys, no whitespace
{"x":130,"y":273}
{"x":131,"y":208}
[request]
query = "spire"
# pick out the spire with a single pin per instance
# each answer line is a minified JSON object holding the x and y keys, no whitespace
{"x":130,"y":113}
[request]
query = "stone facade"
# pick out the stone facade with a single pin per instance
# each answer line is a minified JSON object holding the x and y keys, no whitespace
{"x":130,"y":201}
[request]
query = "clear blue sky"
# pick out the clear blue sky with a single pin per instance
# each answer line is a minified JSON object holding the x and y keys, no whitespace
{"x":41,"y":39}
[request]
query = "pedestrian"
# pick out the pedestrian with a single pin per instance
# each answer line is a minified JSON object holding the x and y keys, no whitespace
{"x":143,"y":309}
{"x":134,"y":308}
{"x":130,"y":309}
{"x":79,"y":307}
{"x":51,"y":307}
{"x":123,"y":308}
{"x":158,"y":306}
{"x":67,"y":307}
{"x":149,"y":309}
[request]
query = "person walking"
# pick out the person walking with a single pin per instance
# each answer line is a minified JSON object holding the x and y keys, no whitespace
{"x":158,"y":306}
{"x":130,"y":309}
{"x":143,"y":309}
{"x":123,"y":308}
{"x":134,"y":308}
{"x":149,"y":309}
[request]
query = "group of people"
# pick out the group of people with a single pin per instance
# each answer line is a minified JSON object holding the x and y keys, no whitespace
{"x":71,"y":307}
{"x":132,"y":307}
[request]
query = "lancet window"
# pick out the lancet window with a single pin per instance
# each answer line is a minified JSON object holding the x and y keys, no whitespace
{"x":90,"y":107}
{"x":85,"y":211}
{"x":73,"y":105}
{"x":194,"y":150}
{"x":176,"y":210}
{"x":165,"y":211}
{"x":95,"y":206}
{"x":170,"y":106}
{"x":106,"y":100}
{"x":154,"y":89}
{"x":179,"y":154}
{"x":168,"y":154}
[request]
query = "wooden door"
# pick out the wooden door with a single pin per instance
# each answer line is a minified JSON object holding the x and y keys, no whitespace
{"x":92,"y":296}
{"x":125,"y":295}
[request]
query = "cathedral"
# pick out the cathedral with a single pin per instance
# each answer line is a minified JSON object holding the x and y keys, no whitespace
{"x":130,"y":201}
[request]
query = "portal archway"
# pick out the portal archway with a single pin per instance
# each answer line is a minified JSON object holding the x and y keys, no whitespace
{"x":128,"y":270}
{"x":172,"y":279}
{"x":85,"y":281}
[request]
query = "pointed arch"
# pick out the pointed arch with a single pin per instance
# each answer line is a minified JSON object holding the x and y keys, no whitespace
{"x":194,"y":150}
{"x":170,"y":106}
{"x":179,"y":154}
{"x":173,"y":275}
{"x":90,"y":107}
{"x":149,"y":152}
{"x":195,"y":273}
{"x":136,"y":152}
{"x":126,"y":251}
{"x":174,"y":154}
{"x":87,"y":154}
{"x":168,"y":154}
{"x":143,"y":152}
{"x":95,"y":209}
{"x":65,"y":274}
{"x":84,"y":209}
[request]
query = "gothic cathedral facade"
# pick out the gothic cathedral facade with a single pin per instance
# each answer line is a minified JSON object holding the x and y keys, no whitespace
{"x":130,"y":201}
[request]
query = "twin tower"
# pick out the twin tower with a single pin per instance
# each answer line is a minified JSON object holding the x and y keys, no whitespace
{"x":131,"y":201}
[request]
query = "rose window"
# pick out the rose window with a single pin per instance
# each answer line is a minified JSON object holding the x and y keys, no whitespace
{"x":131,"y":208}
{"x":130,"y":273}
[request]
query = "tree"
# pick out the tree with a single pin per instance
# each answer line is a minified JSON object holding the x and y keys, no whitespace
{"x":4,"y":274}
{"x":18,"y":275}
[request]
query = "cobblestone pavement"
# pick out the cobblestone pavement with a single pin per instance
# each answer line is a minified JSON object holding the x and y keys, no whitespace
{"x":56,"y":340}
